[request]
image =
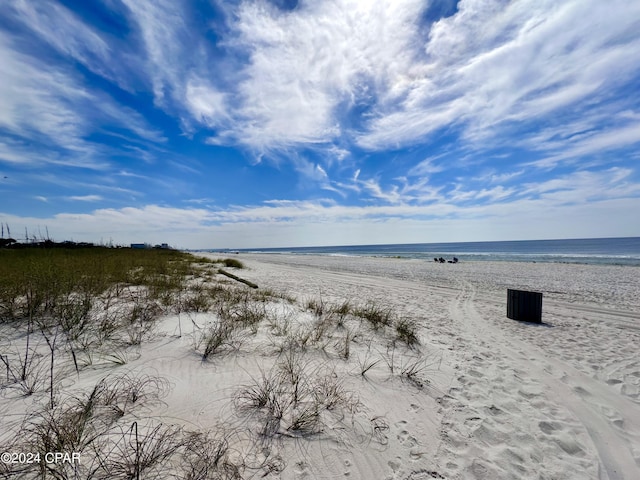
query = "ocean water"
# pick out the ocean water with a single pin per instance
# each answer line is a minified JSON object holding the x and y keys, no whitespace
{"x":608,"y":251}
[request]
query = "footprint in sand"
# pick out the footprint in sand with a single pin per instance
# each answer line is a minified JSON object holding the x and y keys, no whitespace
{"x":347,"y":465}
{"x":301,"y":470}
{"x":493,"y":410}
{"x":530,"y":391}
{"x":404,"y":437}
{"x":549,"y":427}
{"x":569,"y":445}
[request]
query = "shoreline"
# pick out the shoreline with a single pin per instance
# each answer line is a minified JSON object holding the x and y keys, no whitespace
{"x":462,"y":257}
{"x":608,"y":286}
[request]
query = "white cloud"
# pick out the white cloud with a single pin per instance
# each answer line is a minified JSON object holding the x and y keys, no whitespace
{"x":307,"y":65}
{"x":205,"y":103}
{"x":592,"y":142}
{"x":492,"y":177}
{"x":313,"y":71}
{"x":427,"y":167}
{"x":37,"y":101}
{"x":495,"y":63}
{"x":496,"y":193}
{"x":44,"y":106}
{"x":584,"y":186}
{"x":11,"y":153}
{"x":122,"y":116}
{"x":61,"y":29}
{"x":85,"y":198}
{"x":308,"y":223}
{"x":164,"y":32}
{"x":585,"y":203}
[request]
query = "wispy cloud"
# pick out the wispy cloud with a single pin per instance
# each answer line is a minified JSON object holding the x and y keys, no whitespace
{"x":163,"y":32}
{"x":309,"y":68}
{"x":591,"y":142}
{"x":114,"y":115}
{"x":567,"y":204}
{"x":61,"y":30}
{"x":50,"y":108}
{"x":39,"y":104}
{"x":85,"y":198}
{"x":506,"y":66}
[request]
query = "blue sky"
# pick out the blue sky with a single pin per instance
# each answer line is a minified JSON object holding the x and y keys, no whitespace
{"x":265,"y":123}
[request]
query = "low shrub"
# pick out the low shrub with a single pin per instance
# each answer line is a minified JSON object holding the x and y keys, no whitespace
{"x":232,"y":263}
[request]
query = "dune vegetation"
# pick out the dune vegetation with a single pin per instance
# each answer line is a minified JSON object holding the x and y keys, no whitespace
{"x":74,"y":325}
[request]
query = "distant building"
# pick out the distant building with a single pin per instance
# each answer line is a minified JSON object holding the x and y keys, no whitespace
{"x":164,"y":246}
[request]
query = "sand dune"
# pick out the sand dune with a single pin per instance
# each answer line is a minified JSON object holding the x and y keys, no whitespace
{"x":480,"y":397}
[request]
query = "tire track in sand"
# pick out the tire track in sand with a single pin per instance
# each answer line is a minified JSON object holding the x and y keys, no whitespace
{"x":564,"y":418}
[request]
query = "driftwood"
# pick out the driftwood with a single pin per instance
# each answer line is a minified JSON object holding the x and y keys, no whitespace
{"x":242,"y":280}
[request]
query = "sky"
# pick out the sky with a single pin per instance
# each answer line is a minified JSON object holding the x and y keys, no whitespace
{"x":276,"y":123}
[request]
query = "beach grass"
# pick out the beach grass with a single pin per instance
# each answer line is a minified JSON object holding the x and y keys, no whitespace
{"x":36,"y":282}
{"x":67,"y":312}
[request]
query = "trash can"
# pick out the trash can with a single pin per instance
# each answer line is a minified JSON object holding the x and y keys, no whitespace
{"x":525,"y":306}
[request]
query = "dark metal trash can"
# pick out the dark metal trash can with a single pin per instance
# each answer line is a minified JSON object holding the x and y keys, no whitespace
{"x":523,"y":305}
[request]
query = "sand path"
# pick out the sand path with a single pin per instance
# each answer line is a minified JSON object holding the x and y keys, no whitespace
{"x":558,"y":400}
{"x":566,"y":404}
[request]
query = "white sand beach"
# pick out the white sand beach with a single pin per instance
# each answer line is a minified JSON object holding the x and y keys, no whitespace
{"x":479,"y":396}
{"x":509,"y":399}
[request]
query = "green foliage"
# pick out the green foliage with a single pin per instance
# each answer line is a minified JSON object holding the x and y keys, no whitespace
{"x":232,"y":263}
{"x":41,"y":282}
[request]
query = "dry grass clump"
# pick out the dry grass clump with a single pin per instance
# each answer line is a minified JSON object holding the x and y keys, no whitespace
{"x":326,"y":327}
{"x":237,"y":313}
{"x":244,"y":311}
{"x":336,"y":326}
{"x":340,"y":311}
{"x":209,"y":456}
{"x":407,"y":331}
{"x":316,"y":306}
{"x":194,"y":298}
{"x":218,"y":336}
{"x":268,"y":295}
{"x":336,"y":312}
{"x":25,"y":370}
{"x":82,"y":424}
{"x":367,"y":362}
{"x":155,"y":450}
{"x":377,"y":315}
{"x":144,"y":452}
{"x":294,"y":397}
{"x":103,"y":426}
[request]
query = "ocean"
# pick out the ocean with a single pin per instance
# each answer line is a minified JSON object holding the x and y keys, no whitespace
{"x":607,"y":251}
